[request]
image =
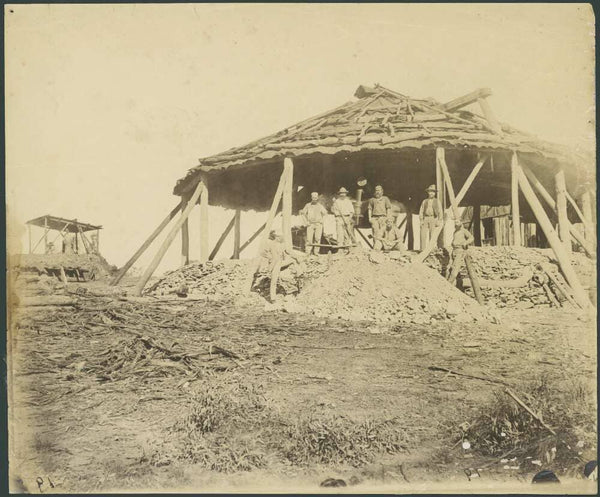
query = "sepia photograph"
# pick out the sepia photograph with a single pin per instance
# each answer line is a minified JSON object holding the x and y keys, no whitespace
{"x":301,"y":248}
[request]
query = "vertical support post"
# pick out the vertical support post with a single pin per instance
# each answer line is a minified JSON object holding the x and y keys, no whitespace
{"x":477,"y":224}
{"x":236,"y":234}
{"x":204,"y":252}
{"x":45,"y":235}
{"x":409,"y":228}
{"x":439,"y":184}
{"x":561,"y":209}
{"x":586,"y":208}
{"x":168,"y":240}
{"x":29,"y":233}
{"x":185,"y":236}
{"x":562,"y":256}
{"x":514,"y":200}
{"x":286,"y":211}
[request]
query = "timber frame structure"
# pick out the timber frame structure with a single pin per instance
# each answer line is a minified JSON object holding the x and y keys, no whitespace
{"x":63,"y":226}
{"x":405,"y":144}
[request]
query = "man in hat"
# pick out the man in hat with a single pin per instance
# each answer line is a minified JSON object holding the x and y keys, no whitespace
{"x":430,"y":215}
{"x":313,"y":214}
{"x":461,"y":240}
{"x":343,"y":211}
{"x":389,"y":238}
{"x":379,"y":208}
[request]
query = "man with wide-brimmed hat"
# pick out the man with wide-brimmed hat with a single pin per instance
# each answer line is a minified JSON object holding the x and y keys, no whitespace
{"x":343,"y":210}
{"x":461,"y":240}
{"x":430,"y":215}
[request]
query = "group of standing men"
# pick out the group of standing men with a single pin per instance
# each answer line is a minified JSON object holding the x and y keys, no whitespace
{"x":386,"y":236}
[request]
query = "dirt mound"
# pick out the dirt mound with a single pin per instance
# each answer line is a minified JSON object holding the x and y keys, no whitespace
{"x":509,"y":264}
{"x":375,"y":287}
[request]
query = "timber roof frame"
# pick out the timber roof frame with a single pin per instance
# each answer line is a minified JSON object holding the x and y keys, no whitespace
{"x":62,"y":224}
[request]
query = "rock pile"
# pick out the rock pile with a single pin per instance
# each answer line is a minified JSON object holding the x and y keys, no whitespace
{"x":504,"y":263}
{"x":37,"y":264}
{"x":222,"y":280}
{"x":362,"y":287}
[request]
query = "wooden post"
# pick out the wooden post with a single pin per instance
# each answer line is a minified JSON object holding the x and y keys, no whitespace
{"x":463,"y":191}
{"x":29,"y":232}
{"x":221,"y":239}
{"x":236,"y":234}
{"x":561,"y":209}
{"x":46,"y":236}
{"x":410,"y":229}
{"x":439,"y":184}
{"x":558,"y":247}
{"x":204,"y":222}
{"x":577,"y":236}
{"x":514,"y":200}
{"x":587,"y":225}
{"x":441,"y":159}
{"x":253,"y":237}
{"x":475,"y":284}
{"x":185,"y":236}
{"x":286,"y":210}
{"x":168,"y":240}
{"x":477,"y":224}
{"x":145,"y":245}
{"x":586,"y":207}
{"x":267,"y":226}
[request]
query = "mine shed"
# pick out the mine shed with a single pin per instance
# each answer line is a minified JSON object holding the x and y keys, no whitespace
{"x":405,"y":144}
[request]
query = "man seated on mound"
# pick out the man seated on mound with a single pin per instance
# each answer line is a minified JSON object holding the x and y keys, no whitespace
{"x":389,"y":238}
{"x":275,"y":254}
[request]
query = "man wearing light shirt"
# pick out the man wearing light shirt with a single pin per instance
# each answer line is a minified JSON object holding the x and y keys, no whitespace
{"x":343,"y":209}
{"x":313,"y":214}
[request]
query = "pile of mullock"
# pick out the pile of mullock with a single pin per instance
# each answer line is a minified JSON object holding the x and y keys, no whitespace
{"x":507,"y":264}
{"x":373,"y":286}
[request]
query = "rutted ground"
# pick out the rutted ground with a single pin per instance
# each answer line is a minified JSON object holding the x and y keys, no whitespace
{"x":89,"y":435}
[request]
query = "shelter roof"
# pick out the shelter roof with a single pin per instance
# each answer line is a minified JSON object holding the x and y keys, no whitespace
{"x":62,"y":224}
{"x":380,"y":119}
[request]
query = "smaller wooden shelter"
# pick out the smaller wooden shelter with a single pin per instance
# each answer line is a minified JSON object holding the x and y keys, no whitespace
{"x":71,"y":231}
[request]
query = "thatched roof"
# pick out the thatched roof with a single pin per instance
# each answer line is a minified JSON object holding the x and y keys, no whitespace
{"x":62,"y":224}
{"x":381,"y":120}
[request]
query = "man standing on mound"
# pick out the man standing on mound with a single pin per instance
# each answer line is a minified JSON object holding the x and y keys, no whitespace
{"x":461,"y":240}
{"x":343,"y":210}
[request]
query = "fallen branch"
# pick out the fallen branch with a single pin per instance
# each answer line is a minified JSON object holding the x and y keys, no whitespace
{"x":450,"y":371}
{"x":524,"y":406}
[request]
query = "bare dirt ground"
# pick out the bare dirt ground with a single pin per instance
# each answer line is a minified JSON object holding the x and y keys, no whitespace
{"x":74,"y":430}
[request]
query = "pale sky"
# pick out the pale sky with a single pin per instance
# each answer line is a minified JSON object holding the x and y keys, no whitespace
{"x":108,"y":105}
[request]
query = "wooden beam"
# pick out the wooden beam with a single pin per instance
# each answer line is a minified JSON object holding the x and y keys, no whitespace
{"x":577,"y":236}
{"x":286,"y":210}
{"x":440,"y":155}
{"x":253,"y":237}
{"x":439,"y":184}
{"x":489,"y":116}
{"x":221,"y":239}
{"x":467,"y":99}
{"x":477,"y":224}
{"x":168,"y":240}
{"x":185,"y":237}
{"x":236,"y":233}
{"x":146,"y":244}
{"x":268,"y":224}
{"x":586,"y":224}
{"x":204,"y":222}
{"x":436,"y":233}
{"x":474,"y":278}
{"x":562,"y":256}
{"x":586,"y":207}
{"x":514,"y":200}
{"x":561,"y":209}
